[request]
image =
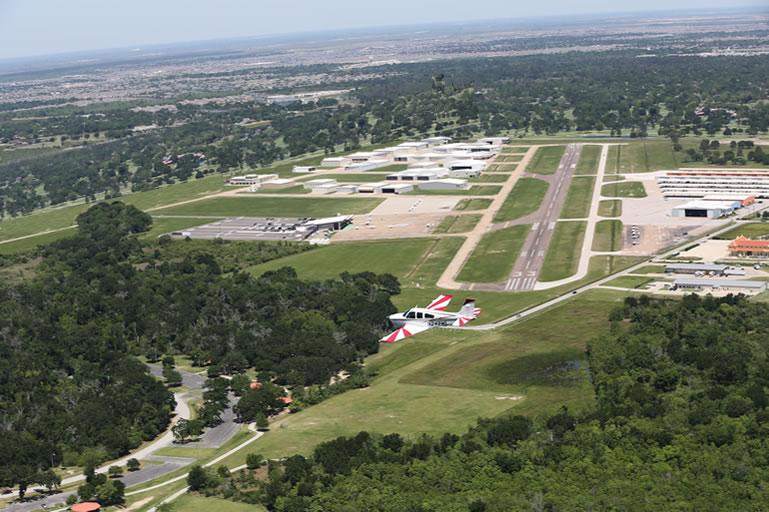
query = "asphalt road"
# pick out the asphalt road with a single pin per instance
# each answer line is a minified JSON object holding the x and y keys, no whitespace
{"x":529,"y":262}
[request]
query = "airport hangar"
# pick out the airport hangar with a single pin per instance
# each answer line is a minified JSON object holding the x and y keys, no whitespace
{"x":264,"y":228}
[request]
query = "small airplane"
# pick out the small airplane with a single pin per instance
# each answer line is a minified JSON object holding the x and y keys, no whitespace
{"x":416,"y":320}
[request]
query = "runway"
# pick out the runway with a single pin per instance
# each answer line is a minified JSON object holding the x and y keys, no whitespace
{"x":529,"y":262}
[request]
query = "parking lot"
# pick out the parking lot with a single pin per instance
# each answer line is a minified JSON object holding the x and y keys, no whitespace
{"x":250,"y":228}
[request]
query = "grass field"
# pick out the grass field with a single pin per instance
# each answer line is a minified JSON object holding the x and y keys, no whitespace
{"x":502,"y":167}
{"x":183,"y":451}
{"x":612,"y":177}
{"x":472,"y":205}
{"x":748,"y":230}
{"x":490,"y":178}
{"x":528,"y":368}
{"x":195,"y":503}
{"x":579,"y":198}
{"x":296,"y":189}
{"x":546,"y":160}
{"x":634,"y":189}
{"x":651,"y":269}
{"x":510,"y":158}
{"x":608,"y":236}
{"x":630,"y":281}
{"x":493,"y":258}
{"x":610,"y":208}
{"x":562,"y":258}
{"x":525,"y":198}
{"x":273,"y":207}
{"x":506,"y":150}
{"x":458,"y":223}
{"x":474,"y":190}
{"x":588,"y":160}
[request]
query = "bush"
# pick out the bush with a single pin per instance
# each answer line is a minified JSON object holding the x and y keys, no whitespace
{"x":253,"y":460}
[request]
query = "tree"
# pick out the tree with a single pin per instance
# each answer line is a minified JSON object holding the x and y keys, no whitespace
{"x":181,"y":429}
{"x":111,"y":492}
{"x":172,"y":377}
{"x":197,"y":478}
{"x":115,"y":471}
{"x":261,"y":421}
{"x":49,"y":479}
{"x":133,"y":464}
{"x":71,"y":500}
{"x":253,"y":460}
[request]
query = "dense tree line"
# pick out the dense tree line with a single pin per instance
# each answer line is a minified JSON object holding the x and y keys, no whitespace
{"x":680,"y":422}
{"x":71,"y":389}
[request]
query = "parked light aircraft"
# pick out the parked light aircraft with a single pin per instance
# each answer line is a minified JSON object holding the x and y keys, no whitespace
{"x":415,"y":320}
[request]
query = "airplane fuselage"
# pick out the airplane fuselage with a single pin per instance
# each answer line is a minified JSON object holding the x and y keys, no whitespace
{"x":424,"y":316}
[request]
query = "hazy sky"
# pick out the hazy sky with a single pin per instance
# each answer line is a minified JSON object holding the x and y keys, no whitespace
{"x":38,"y":27}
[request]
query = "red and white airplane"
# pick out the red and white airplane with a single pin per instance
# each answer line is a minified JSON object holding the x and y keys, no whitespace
{"x":415,"y":320}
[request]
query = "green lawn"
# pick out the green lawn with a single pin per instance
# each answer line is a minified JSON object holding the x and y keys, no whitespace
{"x":458,"y":223}
{"x":274,"y":206}
{"x":296,"y":189}
{"x":612,"y":177}
{"x":546,"y":160}
{"x":562,"y":258}
{"x":633,"y":189}
{"x":443,"y":379}
{"x":502,"y":167}
{"x":651,"y":155}
{"x":588,"y":160}
{"x":748,"y":230}
{"x":525,"y":198}
{"x":391,"y":168}
{"x":493,"y":258}
{"x":490,"y":178}
{"x":579,"y":198}
{"x":651,"y":269}
{"x":608,"y":236}
{"x":474,"y":190}
{"x":506,"y":150}
{"x":610,"y":208}
{"x":630,"y":281}
{"x":194,"y":503}
{"x":185,"y":451}
{"x":510,"y":158}
{"x":472,"y":204}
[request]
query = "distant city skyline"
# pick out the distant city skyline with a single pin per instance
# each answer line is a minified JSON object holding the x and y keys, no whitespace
{"x":43,"y":27}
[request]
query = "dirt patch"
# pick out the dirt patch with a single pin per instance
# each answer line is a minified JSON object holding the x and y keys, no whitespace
{"x":514,"y":397}
{"x":139,"y":504}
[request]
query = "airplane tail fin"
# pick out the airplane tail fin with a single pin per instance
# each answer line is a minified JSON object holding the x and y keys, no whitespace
{"x":468,"y":309}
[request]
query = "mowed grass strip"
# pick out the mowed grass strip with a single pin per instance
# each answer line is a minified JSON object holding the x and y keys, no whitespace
{"x":613,"y":177}
{"x":273,"y":207}
{"x":546,"y":160}
{"x":472,"y":205}
{"x":525,"y":198}
{"x":506,"y":150}
{"x":579,"y":198}
{"x":610,"y":208}
{"x":562,"y":258}
{"x":588,"y":160}
{"x":490,"y":178}
{"x":493,"y":258}
{"x":630,"y":281}
{"x":631,"y":189}
{"x":748,"y":230}
{"x":458,"y":223}
{"x":474,"y":190}
{"x":195,"y":503}
{"x":608,"y":236}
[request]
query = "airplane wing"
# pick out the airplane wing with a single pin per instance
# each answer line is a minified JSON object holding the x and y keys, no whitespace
{"x":440,"y":303}
{"x":404,"y":332}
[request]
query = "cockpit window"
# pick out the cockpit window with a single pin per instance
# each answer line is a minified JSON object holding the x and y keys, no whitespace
{"x":409,"y":314}
{"x":428,"y":315}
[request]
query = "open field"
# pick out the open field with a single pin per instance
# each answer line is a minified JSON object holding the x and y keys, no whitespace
{"x":196,"y":503}
{"x":630,"y":281}
{"x":273,"y":207}
{"x":296,"y":189}
{"x":525,"y":198}
{"x":458,"y":224}
{"x":610,"y":208}
{"x":562,"y":258}
{"x":507,"y":150}
{"x":588,"y":160}
{"x":188,"y":450}
{"x":651,"y":269}
{"x":633,"y":189}
{"x":579,"y":197}
{"x":502,"y":167}
{"x":490,"y":178}
{"x":608,"y":178}
{"x":527,"y":368}
{"x":608,"y":236}
{"x":509,"y":158}
{"x":748,"y":230}
{"x":546,"y":160}
{"x":472,"y":204}
{"x":474,"y":190}
{"x":493,"y":258}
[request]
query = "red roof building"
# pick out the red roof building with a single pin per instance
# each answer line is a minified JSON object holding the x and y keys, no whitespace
{"x":745,"y":247}
{"x":86,"y":506}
